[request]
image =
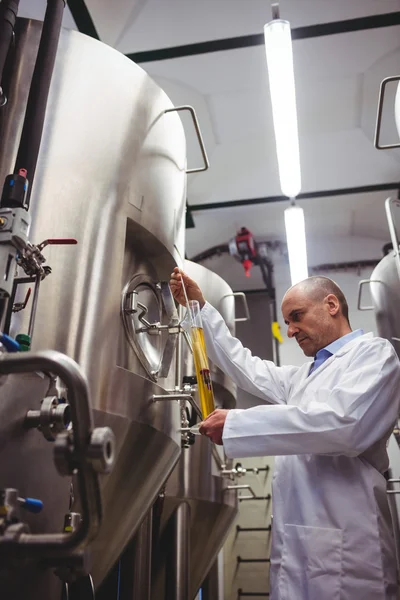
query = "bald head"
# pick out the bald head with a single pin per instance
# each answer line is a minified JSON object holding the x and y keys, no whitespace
{"x":316,"y":313}
{"x":317,"y":288}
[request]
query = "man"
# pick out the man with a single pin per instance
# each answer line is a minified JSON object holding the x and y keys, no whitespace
{"x":328,"y":425}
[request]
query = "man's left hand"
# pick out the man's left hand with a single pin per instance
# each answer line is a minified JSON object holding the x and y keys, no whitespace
{"x":213,"y":426}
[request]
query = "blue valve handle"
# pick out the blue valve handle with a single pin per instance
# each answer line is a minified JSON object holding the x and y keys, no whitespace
{"x":9,"y":343}
{"x":31,"y":504}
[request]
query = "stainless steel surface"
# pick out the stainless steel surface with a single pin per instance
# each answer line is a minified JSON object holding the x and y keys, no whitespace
{"x":378,"y":125}
{"x":389,"y":203}
{"x":213,"y":508}
{"x":34,"y":475}
{"x":112,"y":174}
{"x":135,"y":566}
{"x":51,"y":545}
{"x":213,"y":586}
{"x":385,"y":293}
{"x":178,"y":560}
{"x":245,"y":305}
{"x":199,"y":137}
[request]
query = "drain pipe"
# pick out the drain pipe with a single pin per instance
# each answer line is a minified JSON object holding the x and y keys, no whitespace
{"x":8,"y":16}
{"x":178,"y":559}
{"x":31,"y":136}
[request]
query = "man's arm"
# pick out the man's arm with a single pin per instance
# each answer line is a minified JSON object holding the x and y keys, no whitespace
{"x":254,"y":375}
{"x":347,"y":419}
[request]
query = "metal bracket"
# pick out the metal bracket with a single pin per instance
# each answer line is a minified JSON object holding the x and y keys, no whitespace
{"x":391,"y":481}
{"x":242,"y":594}
{"x":198,"y":133}
{"x":389,"y":202}
{"x":245,"y":305}
{"x":178,"y":396}
{"x":243,"y":487}
{"x":379,"y":114}
{"x":360,"y":287}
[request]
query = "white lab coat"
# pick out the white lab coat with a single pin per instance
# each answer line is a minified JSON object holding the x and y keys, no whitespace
{"x":332,"y":536}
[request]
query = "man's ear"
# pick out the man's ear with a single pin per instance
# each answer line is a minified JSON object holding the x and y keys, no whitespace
{"x":333,"y":304}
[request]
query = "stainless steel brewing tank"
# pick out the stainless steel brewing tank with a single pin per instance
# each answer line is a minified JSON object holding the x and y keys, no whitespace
{"x":112,"y":174}
{"x":385,"y":292}
{"x":197,"y":478}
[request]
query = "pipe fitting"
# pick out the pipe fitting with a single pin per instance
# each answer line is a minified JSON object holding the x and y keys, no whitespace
{"x":101,"y":451}
{"x":52,"y":418}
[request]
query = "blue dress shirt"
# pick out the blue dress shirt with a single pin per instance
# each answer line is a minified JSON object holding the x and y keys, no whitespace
{"x":323,"y":354}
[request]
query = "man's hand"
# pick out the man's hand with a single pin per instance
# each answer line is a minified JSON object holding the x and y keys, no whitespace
{"x":213,"y":426}
{"x":192,"y":289}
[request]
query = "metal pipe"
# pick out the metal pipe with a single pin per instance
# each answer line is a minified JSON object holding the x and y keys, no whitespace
{"x":243,"y":487}
{"x":135,"y":565}
{"x":31,"y":136}
{"x":34,"y":306}
{"x":240,"y":529}
{"x":178,"y":396}
{"x":239,"y":560}
{"x":8,"y":16}
{"x":178,"y":367}
{"x":53,"y":545}
{"x":178,"y":562}
{"x":267,"y":497}
{"x":242,"y":594}
{"x":267,"y":272}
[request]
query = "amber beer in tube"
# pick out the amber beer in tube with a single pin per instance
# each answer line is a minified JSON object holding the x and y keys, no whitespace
{"x":204,"y":384}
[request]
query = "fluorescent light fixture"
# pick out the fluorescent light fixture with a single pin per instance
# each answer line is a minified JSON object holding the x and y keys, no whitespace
{"x":296,"y":243}
{"x":278,"y":48}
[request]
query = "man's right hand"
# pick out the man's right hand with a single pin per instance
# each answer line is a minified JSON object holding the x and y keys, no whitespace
{"x":192,"y":289}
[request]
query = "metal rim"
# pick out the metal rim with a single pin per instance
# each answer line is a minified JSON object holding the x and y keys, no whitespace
{"x":132,"y":285}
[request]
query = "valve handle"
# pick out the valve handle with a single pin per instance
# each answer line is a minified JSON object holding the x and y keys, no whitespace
{"x":57,"y":242}
{"x":32,"y":505}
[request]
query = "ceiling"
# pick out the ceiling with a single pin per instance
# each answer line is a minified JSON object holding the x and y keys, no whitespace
{"x":337,"y":85}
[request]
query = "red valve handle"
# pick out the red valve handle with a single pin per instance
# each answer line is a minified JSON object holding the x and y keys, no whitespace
{"x":60,"y":241}
{"x":57,"y":241}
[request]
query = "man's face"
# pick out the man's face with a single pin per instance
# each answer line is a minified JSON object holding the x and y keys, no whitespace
{"x":307,"y":320}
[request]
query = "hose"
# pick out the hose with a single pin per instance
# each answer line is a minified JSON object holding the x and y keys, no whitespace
{"x":8,"y":16}
{"x":31,"y":136}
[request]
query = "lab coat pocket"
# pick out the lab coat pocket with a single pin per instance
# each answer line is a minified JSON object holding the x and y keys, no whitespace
{"x":311,"y":563}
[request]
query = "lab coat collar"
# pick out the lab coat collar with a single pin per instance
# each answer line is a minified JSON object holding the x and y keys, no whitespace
{"x":306,"y":379}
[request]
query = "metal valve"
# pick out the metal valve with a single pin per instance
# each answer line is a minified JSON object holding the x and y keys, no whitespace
{"x":100,"y":452}
{"x":52,"y":418}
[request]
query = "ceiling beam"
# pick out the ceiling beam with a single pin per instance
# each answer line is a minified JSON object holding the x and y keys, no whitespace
{"x":82,"y":18}
{"x":364,"y":189}
{"x":247,"y":41}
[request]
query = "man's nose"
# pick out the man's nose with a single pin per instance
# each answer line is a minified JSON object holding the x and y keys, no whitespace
{"x":292,"y":330}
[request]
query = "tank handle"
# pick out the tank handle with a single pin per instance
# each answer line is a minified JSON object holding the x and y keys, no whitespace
{"x":392,"y":229}
{"x":198,"y":133}
{"x":360,"y":287}
{"x":379,"y":113}
{"x":245,"y":305}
